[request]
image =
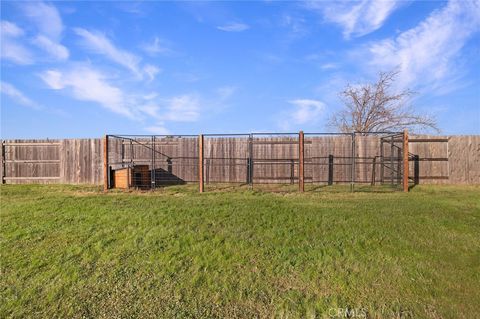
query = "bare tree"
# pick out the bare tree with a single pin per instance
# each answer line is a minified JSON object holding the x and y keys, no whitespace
{"x":373,"y":108}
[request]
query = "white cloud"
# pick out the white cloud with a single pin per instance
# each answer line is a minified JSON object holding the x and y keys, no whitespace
{"x":297,"y":26}
{"x":88,"y":84}
{"x":356,"y":18}
{"x":301,"y":112}
{"x":158,"y":129}
{"x":156,"y":47}
{"x":234,"y":27}
{"x":306,"y":110}
{"x":150,"y":96}
{"x":184,"y":108}
{"x":100,"y":44}
{"x":426,"y":54}
{"x":11,"y":48}
{"x":48,"y":21}
{"x":151,"y":109}
{"x":46,"y":17}
{"x":17,"y":96}
{"x":225,"y":92}
{"x":151,"y":71}
{"x":56,"y":50}
{"x":329,"y":66}
{"x":53,"y":79}
{"x":11,"y":29}
{"x":15,"y":52}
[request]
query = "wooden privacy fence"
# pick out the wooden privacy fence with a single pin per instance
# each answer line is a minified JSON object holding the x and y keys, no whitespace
{"x":66,"y":161}
{"x":433,"y":159}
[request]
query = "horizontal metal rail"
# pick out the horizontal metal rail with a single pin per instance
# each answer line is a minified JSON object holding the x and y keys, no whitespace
{"x":31,"y":144}
{"x":33,"y":161}
{"x":32,"y":178}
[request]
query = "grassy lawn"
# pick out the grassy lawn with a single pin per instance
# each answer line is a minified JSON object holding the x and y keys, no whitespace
{"x":71,"y":251}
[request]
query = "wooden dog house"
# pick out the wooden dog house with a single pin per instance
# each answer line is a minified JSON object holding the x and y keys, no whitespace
{"x":137,"y":176}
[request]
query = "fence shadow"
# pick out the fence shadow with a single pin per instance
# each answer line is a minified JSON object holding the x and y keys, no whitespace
{"x":166,"y":177}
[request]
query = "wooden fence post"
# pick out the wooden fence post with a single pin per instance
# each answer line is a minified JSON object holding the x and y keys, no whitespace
{"x":301,"y":158}
{"x":200,"y":163}
{"x":105,"y":163}
{"x":405,"y":160}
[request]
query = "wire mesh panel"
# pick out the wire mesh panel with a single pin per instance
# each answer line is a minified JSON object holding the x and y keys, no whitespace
{"x":152,"y":161}
{"x":379,"y":159}
{"x":328,"y":158}
{"x":226,"y":158}
{"x":429,"y":156}
{"x":275,"y":158}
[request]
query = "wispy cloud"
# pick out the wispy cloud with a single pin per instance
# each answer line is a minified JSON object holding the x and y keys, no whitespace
{"x":297,"y":26}
{"x":156,"y":47}
{"x":184,"y":108}
{"x":234,"y":27}
{"x":306,"y":110}
{"x":56,"y":50}
{"x":329,"y":66}
{"x":225,"y":92}
{"x":426,"y":55}
{"x":45,"y":17}
{"x":11,"y":47}
{"x":181,"y":108}
{"x":89,"y":84}
{"x":98,"y":43}
{"x":11,"y":29}
{"x":16,"y":95}
{"x":151,"y":71}
{"x":86,"y":83}
{"x":50,"y":27}
{"x":356,"y":18}
{"x":158,"y":128}
{"x":303,"y":111}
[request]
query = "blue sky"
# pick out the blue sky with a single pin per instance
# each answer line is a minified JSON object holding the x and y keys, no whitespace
{"x":84,"y":69}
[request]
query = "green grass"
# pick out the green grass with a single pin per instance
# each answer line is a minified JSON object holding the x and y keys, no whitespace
{"x":75,"y":252}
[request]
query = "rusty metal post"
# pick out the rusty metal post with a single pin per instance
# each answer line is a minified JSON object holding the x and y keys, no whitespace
{"x":200,"y":163}
{"x":405,"y":161}
{"x":301,"y":158}
{"x":105,"y":164}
